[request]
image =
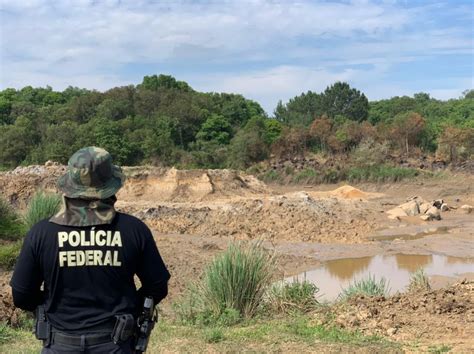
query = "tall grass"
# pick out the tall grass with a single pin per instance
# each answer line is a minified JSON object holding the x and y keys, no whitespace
{"x":11,"y":227}
{"x":238,"y":278}
{"x":419,"y":281}
{"x":368,"y":287}
{"x":232,"y":286}
{"x":297,"y":296}
{"x":9,"y":253}
{"x":380,"y":173}
{"x":42,"y":205}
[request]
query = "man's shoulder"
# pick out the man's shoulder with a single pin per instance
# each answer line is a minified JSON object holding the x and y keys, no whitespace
{"x":130,"y":220}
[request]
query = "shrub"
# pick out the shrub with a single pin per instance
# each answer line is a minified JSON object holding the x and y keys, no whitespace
{"x":9,"y":253}
{"x":42,"y":205}
{"x":271,"y":176}
{"x":307,"y":175}
{"x":238,"y":278}
{"x":368,"y":287}
{"x":232,"y":287}
{"x":419,"y":281}
{"x":290,"y":297}
{"x":11,"y":228}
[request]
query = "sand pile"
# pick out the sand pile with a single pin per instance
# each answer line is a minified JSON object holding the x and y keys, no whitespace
{"x":174,"y":185}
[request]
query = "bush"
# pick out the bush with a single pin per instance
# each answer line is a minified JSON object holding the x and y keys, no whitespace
{"x":237,"y":279}
{"x":232,"y":287}
{"x":8,"y":254}
{"x":307,"y":175}
{"x":11,"y":228}
{"x":290,"y":297}
{"x":419,"y":281}
{"x":380,"y":173}
{"x":42,"y":205}
{"x":368,"y":287}
{"x":271,"y":176}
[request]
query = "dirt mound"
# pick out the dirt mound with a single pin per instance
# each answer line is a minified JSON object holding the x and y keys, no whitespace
{"x":293,"y":216}
{"x":189,"y":185}
{"x":438,"y":315}
{"x":350,"y":192}
{"x":146,"y":184}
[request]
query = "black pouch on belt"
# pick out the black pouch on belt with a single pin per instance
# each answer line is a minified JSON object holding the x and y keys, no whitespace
{"x":124,"y":328}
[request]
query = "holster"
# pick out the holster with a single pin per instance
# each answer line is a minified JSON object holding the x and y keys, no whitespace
{"x":42,"y":326}
{"x":124,"y":328}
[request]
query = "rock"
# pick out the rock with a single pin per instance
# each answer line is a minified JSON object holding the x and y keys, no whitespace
{"x":438,"y":202}
{"x":434,"y":213}
{"x":426,"y":217}
{"x":466,"y":209}
{"x":424,"y":207}
{"x":410,"y":208}
{"x":396,"y":213}
{"x":391,"y":331}
{"x":444,"y":207}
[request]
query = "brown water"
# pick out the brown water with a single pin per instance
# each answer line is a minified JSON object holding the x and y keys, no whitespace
{"x":337,"y":274}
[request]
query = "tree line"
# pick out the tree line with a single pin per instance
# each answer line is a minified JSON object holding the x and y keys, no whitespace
{"x":163,"y":121}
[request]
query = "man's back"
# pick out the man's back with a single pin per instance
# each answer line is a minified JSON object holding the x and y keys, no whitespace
{"x":88,"y":272}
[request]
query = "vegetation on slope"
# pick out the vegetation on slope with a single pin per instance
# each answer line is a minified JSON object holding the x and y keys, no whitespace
{"x":165,"y":122}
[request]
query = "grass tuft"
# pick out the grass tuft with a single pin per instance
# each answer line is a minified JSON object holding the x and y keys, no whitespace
{"x":380,"y":173}
{"x":213,"y":335}
{"x":8,"y":254}
{"x":367,"y":287}
{"x":297,"y":296}
{"x":232,"y":286}
{"x":419,"y":281}
{"x":42,"y":205}
{"x":11,"y":227}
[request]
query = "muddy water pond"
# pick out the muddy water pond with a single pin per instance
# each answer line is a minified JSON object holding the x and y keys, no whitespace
{"x":337,"y":274}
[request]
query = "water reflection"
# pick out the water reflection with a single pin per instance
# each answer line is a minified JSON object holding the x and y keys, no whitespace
{"x":346,"y":268}
{"x":337,"y":274}
{"x":413,"y":262}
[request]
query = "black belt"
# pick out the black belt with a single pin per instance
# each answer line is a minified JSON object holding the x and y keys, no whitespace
{"x":80,"y":340}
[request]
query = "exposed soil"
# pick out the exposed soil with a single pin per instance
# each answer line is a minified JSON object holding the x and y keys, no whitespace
{"x":439,"y":316}
{"x":194,"y":214}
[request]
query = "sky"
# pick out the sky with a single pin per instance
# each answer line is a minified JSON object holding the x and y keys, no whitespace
{"x":266,"y":50}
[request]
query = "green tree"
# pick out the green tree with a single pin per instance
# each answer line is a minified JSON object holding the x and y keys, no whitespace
{"x":215,"y":128}
{"x":341,"y":99}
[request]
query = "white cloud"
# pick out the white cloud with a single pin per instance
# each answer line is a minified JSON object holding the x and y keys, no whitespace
{"x":295,"y":45}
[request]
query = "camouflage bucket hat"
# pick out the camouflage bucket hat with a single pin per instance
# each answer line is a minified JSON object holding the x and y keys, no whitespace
{"x":91,"y":175}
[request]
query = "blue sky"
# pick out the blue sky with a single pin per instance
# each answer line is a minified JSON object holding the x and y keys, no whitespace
{"x":265,"y":50}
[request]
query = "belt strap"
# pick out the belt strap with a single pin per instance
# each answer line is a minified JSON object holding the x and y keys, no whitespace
{"x":80,"y":340}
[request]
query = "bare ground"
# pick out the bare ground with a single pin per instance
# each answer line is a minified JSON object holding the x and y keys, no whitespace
{"x":194,"y":214}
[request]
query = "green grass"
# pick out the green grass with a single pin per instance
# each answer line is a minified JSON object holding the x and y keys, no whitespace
{"x":307,"y":175}
{"x":380,"y":173}
{"x":232,"y":286}
{"x":41,"y":206}
{"x":9,"y":253}
{"x":438,"y":349}
{"x":368,"y":287}
{"x":297,"y":296}
{"x":11,"y":226}
{"x":419,"y":281}
{"x":271,"y":176}
{"x":295,"y":334}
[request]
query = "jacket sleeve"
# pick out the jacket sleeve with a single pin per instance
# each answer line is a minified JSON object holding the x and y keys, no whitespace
{"x":151,"y":269}
{"x":27,"y":278}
